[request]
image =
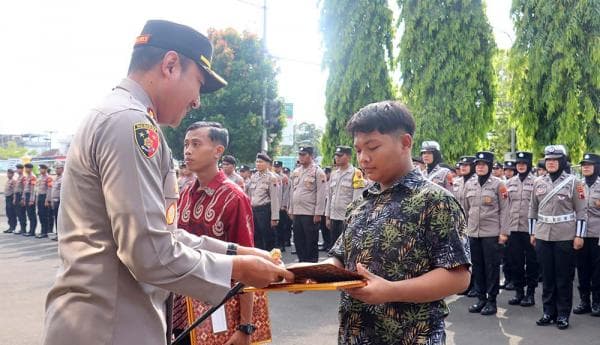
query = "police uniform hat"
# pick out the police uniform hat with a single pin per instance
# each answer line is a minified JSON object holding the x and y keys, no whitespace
{"x":264,"y":157}
{"x":277,"y":164}
{"x":484,"y":156}
{"x":286,"y":170}
{"x":60,"y":165}
{"x":466,"y":160}
{"x":43,"y":166}
{"x":510,"y":165}
{"x":229,"y":159}
{"x":430,"y":145}
{"x":590,"y":158}
{"x":497,"y":165}
{"x":187,"y":42}
{"x":417,"y":159}
{"x":524,"y":157}
{"x":10,"y":171}
{"x":541,"y":164}
{"x":244,"y":168}
{"x":555,"y":152}
{"x":343,"y":150}
{"x":306,"y":149}
{"x":28,"y":165}
{"x":19,"y":166}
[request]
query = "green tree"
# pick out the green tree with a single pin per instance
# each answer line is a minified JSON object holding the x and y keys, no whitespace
{"x":445,"y":58}
{"x":308,"y":134}
{"x":556,"y":65}
{"x":12,"y":150}
{"x":238,"y":106}
{"x":357,"y":37}
{"x":500,"y":133}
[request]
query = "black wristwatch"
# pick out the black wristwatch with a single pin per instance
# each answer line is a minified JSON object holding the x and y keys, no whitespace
{"x":247,"y":328}
{"x":231,"y":249}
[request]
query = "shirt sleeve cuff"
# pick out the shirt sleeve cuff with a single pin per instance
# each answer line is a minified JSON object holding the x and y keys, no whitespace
{"x":201,"y":242}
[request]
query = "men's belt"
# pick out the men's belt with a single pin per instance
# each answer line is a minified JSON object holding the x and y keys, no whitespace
{"x":267,"y":205}
{"x":556,"y":219}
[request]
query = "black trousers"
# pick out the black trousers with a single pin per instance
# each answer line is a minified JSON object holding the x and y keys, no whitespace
{"x":506,"y":261}
{"x":325,"y":232}
{"x":30,"y":209}
{"x":485,"y":257}
{"x":557,"y":259}
{"x":337,"y":228}
{"x":306,"y":238}
{"x":11,"y":212}
{"x":21,"y":212}
{"x":44,"y":214}
{"x":264,"y":235}
{"x":55,"y":206}
{"x":523,"y":260}
{"x":588,"y":266}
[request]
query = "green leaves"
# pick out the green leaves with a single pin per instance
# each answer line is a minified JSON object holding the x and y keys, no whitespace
{"x":238,"y":106}
{"x":445,"y":58}
{"x":357,"y":37}
{"x":556,"y":66}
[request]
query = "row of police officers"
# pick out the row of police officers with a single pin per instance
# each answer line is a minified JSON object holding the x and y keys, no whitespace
{"x":306,"y":199}
{"x":551,"y":223}
{"x":25,"y":192}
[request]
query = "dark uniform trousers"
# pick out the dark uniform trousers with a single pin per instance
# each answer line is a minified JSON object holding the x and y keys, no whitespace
{"x":30,"y":209}
{"x":337,"y":228}
{"x":21,"y":212}
{"x":588,"y":268}
{"x":306,"y":238}
{"x":557,"y":260}
{"x":11,"y":212}
{"x":507,"y":262}
{"x":284,"y":229}
{"x":264,"y":235}
{"x":485,"y":256}
{"x":54,"y":223}
{"x":45,"y":214}
{"x":524,"y":263}
{"x":326,"y":233}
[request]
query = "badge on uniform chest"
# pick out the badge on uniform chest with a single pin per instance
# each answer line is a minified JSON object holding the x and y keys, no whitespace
{"x":487,"y":200}
{"x":540,"y":190}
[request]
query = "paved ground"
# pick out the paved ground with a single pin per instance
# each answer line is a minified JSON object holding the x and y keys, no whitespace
{"x":29,"y":265}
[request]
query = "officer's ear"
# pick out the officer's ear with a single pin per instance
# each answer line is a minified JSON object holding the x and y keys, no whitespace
{"x":169,"y":63}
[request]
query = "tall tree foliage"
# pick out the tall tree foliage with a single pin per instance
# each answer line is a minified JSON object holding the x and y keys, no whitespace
{"x":556,"y":64}
{"x":238,"y":106}
{"x":357,"y":37}
{"x":500,"y":133}
{"x":445,"y":58}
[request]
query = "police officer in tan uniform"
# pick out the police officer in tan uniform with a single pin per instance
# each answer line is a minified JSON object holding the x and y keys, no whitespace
{"x":264,"y":192}
{"x":54,"y":197}
{"x":487,"y":207}
{"x":44,"y":185}
{"x":588,"y":257}
{"x":466,"y":171}
{"x":29,"y":197}
{"x":284,"y":225}
{"x":9,"y":195}
{"x":120,"y":249}
{"x":557,"y":225}
{"x":432,"y":157}
{"x":307,"y":204}
{"x":510,"y":169}
{"x":20,"y":208}
{"x":346,"y":184}
{"x":522,"y":255}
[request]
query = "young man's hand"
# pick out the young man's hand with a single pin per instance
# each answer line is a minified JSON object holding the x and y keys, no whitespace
{"x":239,"y":338}
{"x":376,"y":290}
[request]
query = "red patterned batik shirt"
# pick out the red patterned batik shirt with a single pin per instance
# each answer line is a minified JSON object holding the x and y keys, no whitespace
{"x":220,"y":210}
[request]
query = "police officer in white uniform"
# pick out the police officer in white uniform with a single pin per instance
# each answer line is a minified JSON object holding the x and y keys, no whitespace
{"x":120,"y":249}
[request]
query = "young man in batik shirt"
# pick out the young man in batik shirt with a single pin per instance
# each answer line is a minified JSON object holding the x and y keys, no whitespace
{"x":406,"y":236}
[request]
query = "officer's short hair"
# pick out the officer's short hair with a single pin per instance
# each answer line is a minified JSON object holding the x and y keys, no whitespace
{"x":385,"y":117}
{"x":144,"y":58}
{"x":216,"y":132}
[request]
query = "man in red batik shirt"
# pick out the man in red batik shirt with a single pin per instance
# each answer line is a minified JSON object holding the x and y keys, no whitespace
{"x":214,"y":206}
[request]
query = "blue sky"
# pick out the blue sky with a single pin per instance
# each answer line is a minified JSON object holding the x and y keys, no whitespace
{"x":61,"y":57}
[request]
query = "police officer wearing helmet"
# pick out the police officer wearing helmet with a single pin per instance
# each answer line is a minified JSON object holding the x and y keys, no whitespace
{"x":486,"y":206}
{"x":121,"y":252}
{"x":588,"y":257}
{"x":522,"y":255}
{"x":432,"y":157}
{"x":557,"y":225}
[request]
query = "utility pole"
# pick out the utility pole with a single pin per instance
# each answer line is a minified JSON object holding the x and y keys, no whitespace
{"x":264,"y":144}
